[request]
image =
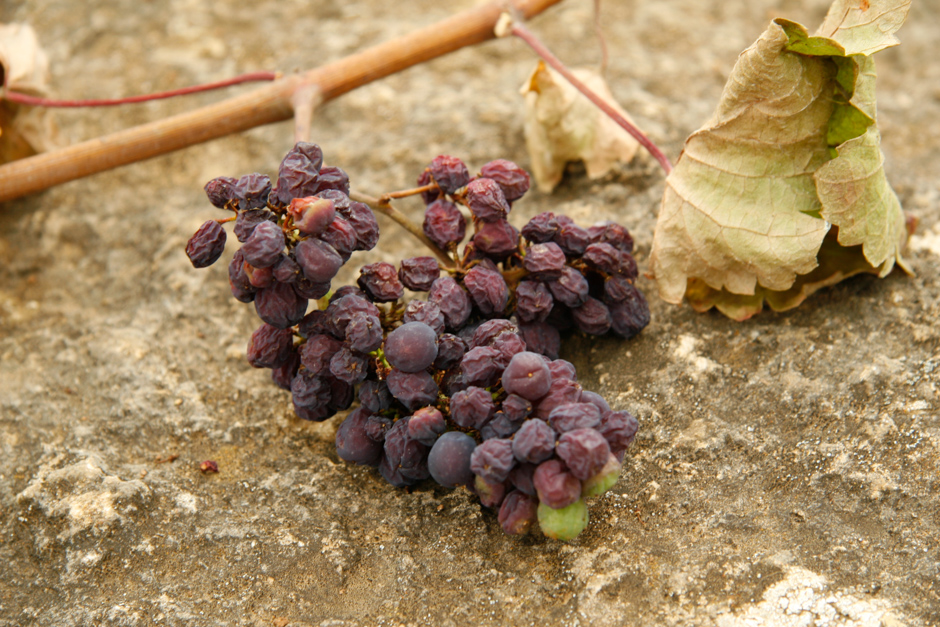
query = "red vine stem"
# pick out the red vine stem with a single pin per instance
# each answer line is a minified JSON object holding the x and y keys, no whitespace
{"x":540,"y":49}
{"x":265,"y":105}
{"x":33,"y":101}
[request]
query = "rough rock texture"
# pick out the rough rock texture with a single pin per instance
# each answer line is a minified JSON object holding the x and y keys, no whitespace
{"x":786,"y":471}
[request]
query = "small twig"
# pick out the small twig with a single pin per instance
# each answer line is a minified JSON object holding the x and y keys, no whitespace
{"x":527,"y":36}
{"x":34,"y":101}
{"x":305,"y":101}
{"x":405,"y":193}
{"x":386,"y":208}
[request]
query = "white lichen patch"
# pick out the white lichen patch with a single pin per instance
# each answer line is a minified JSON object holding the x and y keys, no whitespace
{"x":686,"y":351}
{"x":84,"y":493}
{"x":804,"y":598}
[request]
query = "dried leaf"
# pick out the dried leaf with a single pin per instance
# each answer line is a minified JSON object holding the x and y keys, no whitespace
{"x":792,"y":151}
{"x":24,"y":131}
{"x":561,"y":125}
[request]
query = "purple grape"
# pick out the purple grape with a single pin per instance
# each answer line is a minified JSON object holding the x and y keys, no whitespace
{"x":541,"y":229}
{"x":453,"y":300}
{"x":364,"y":333}
{"x":280,"y":306}
{"x":331,"y":177}
{"x":426,"y":425}
{"x":313,"y":413}
{"x":252,"y":191}
{"x":405,"y":454}
{"x":472,"y":408}
{"x":341,"y":236}
{"x":533,"y":301}
{"x":311,"y":215}
{"x":544,"y":262}
{"x":265,"y":245}
{"x":619,"y":429}
{"x":426,"y":312}
{"x":341,"y":395}
{"x":528,"y":376}
{"x":561,"y":392}
{"x":353,"y":443}
{"x":613,"y":234}
{"x":431,"y":195}
{"x":260,"y":277}
{"x":556,"y":486}
{"x":380,"y":282}
{"x":412,"y":347}
{"x":491,"y":493}
{"x":242,"y":289}
{"x":247,"y":220}
{"x":283,"y":374}
{"x":206,"y":245}
{"x":603,"y":257}
{"x":507,"y":345}
{"x":593,"y":317}
{"x":488,"y":331}
{"x":631,"y":315}
{"x":521,"y":478}
{"x":316,"y":353}
{"x":516,"y":408}
{"x":419,"y":273}
{"x":318,"y":260}
{"x":492,"y":460}
{"x":316,"y":322}
{"x":351,"y":290}
{"x":450,"y":350}
{"x":513,"y":180}
{"x":375,"y":396}
{"x":348,"y":366}
{"x":560,"y":317}
{"x":541,"y":338}
{"x":517,"y":513}
{"x":309,"y":390}
{"x":412,"y":389}
{"x":628,"y":266}
{"x":221,"y":190}
{"x":450,"y":173}
{"x":286,"y":270}
{"x":571,"y":289}
{"x":363,"y":222}
{"x":270,"y":347}
{"x":572,"y":238}
{"x":497,"y":239}
{"x":597,"y":400}
{"x":480,"y":366}
{"x":310,"y":290}
{"x":534,"y":442}
{"x":499,"y":427}
{"x":342,"y":310}
{"x":573,"y":416}
{"x":449,"y":459}
{"x":376,"y":428}
{"x":487,"y":289}
{"x":486,"y":200}
{"x":444,"y":224}
{"x":298,"y":173}
{"x":562,"y":369}
{"x":584,"y":451}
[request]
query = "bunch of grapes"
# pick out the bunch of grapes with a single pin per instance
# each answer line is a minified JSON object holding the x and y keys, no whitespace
{"x":464,"y":386}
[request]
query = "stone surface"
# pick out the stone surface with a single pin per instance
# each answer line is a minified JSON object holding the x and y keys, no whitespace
{"x":786,"y":470}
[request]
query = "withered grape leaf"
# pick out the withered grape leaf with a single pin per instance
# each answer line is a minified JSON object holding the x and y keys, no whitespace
{"x":791,"y":155}
{"x":561,"y":125}
{"x":24,"y":130}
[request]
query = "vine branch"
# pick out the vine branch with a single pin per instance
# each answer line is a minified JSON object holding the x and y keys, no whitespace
{"x":266,"y":105}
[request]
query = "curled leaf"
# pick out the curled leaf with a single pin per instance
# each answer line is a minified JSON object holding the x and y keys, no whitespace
{"x":788,"y":170}
{"x":24,"y":130}
{"x":561,"y":125}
